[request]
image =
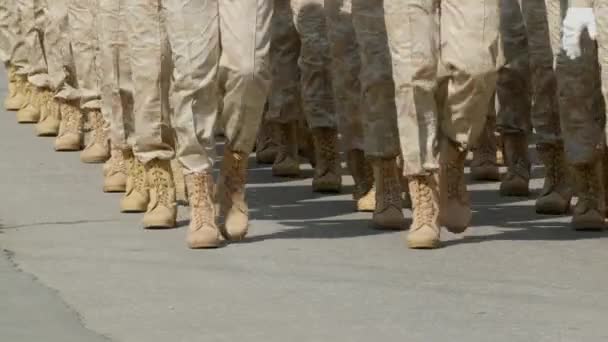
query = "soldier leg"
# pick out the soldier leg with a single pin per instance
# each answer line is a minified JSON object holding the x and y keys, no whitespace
{"x":12,"y":48}
{"x":316,"y":92}
{"x":582,"y":121}
{"x":116,"y":92}
{"x":381,"y":138}
{"x":346,"y":67}
{"x":514,"y":97}
{"x":284,"y":105}
{"x":153,"y":138}
{"x":32,"y":19}
{"x":557,"y":193}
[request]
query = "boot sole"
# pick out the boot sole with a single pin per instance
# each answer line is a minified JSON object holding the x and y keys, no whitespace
{"x":212,"y":245}
{"x":114,"y":188}
{"x":423,"y":245}
{"x":93,"y":161}
{"x":47,"y":134}
{"x":485,"y":176}
{"x":159,"y":226}
{"x":588,"y":226}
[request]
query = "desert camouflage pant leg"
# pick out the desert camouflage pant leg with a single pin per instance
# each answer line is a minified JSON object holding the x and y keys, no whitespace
{"x":601,"y":9}
{"x":10,"y":32}
{"x":32,"y":14}
{"x":222,"y":73}
{"x":445,"y":56}
{"x":116,"y":85}
{"x":60,"y":63}
{"x":150,"y":63}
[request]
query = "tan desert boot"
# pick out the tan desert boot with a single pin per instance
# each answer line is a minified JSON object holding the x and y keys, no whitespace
{"x":516,"y":181}
{"x":455,"y":208}
{"x":203,"y":231}
{"x":98,"y":149}
{"x":70,"y":128}
{"x":136,"y":196}
{"x":327,"y":176}
{"x":389,"y":211}
{"x":162,"y":209}
{"x":363,"y":175}
{"x":48,"y":126}
{"x":115,"y":172}
{"x":230,"y":195}
{"x":286,"y":163}
{"x":15,"y":98}
{"x":590,"y":210}
{"x":266,"y":146}
{"x":425,"y":231}
{"x":556,"y":193}
{"x":30,"y":112}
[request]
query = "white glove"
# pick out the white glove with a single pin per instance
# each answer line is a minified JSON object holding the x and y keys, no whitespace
{"x":577,"y":20}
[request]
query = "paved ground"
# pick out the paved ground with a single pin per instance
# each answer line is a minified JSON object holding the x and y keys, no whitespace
{"x":74,"y":269}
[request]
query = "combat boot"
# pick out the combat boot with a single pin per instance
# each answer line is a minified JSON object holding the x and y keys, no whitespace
{"x":406,"y":199}
{"x":455,"y":208}
{"x":425,"y":230}
{"x":388,"y":213}
{"x":136,"y":197}
{"x":15,"y":99}
{"x":266,"y":146}
{"x":363,"y":175}
{"x":590,"y":210}
{"x":230,"y":195}
{"x":484,"y":166}
{"x":203,"y":231}
{"x":181,"y":190}
{"x":48,"y":126}
{"x":115,"y":172}
{"x":30,"y":112}
{"x":516,"y":181}
{"x":327,"y":177}
{"x":306,"y":146}
{"x":98,"y":149}
{"x":556,"y":193}
{"x":286,"y":163}
{"x":162,"y":209}
{"x":70,"y":127}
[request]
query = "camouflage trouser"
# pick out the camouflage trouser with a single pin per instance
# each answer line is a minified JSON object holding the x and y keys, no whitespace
{"x":527,"y":86}
{"x":445,"y":57}
{"x":300,"y":61}
{"x":58,"y":54}
{"x":82,"y":15}
{"x":10,"y":33}
{"x":150,"y":63}
{"x":221,"y":49}
{"x":32,"y":15}
{"x":580,"y":100}
{"x":116,"y":85}
{"x":362,"y":76}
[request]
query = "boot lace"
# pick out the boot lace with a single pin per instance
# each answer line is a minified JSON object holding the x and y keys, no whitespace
{"x":160,"y":181}
{"x":71,"y":118}
{"x":100,"y":135}
{"x":201,"y":198}
{"x":117,"y":163}
{"x":423,"y":195}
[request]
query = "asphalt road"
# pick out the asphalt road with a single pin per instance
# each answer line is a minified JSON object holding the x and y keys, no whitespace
{"x":73,"y":268}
